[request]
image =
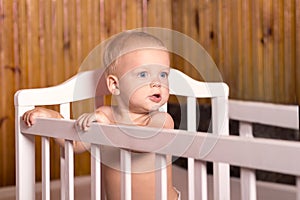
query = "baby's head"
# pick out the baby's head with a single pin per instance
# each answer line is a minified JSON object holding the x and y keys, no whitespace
{"x":126,"y":42}
{"x":137,"y":70}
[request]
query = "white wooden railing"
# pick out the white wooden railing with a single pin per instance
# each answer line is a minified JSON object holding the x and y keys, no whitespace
{"x":247,"y":152}
{"x":84,"y":86}
{"x":248,"y":113}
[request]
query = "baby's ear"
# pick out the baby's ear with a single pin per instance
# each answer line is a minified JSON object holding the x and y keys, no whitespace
{"x":113,"y":84}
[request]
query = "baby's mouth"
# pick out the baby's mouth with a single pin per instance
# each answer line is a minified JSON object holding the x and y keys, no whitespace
{"x":155,"y":98}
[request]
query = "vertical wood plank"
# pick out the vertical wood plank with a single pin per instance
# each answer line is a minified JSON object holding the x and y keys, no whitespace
{"x":236,"y":26}
{"x":268,"y":51}
{"x":227,"y":45}
{"x":2,"y":92}
{"x":95,"y":173}
{"x":298,"y":188}
{"x":57,"y":34}
{"x":125,"y":174}
{"x":34,"y":75}
{"x":8,"y":71}
{"x":248,"y":179}
{"x":257,"y":35}
{"x":64,"y":179}
{"x":220,"y":46}
{"x":278,"y":51}
{"x":69,"y":170}
{"x":161,"y":187}
{"x":246,"y":52}
{"x":297,"y":74}
{"x":45,"y":168}
{"x":25,"y":160}
{"x":220,"y":124}
{"x":289,"y":50}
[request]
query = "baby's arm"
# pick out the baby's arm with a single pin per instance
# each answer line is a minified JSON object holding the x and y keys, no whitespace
{"x":30,"y":116}
{"x":85,"y":120}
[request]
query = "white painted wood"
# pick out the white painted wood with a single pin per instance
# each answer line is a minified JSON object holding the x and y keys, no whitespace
{"x":201,"y":189}
{"x":95,"y":172}
{"x":126,"y":174}
{"x":62,"y":174}
{"x":220,"y":127}
{"x":79,"y":87}
{"x":161,"y":177}
{"x":69,"y":170}
{"x":191,"y":126}
{"x":234,"y":150}
{"x":183,"y":85}
{"x":286,"y":116}
{"x":298,"y":187}
{"x":197,"y":173}
{"x":84,"y":85}
{"x":64,"y":110}
{"x":25,"y":158}
{"x":46,"y":168}
{"x":248,"y":178}
{"x":191,"y":178}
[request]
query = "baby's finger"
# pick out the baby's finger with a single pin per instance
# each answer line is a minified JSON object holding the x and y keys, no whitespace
{"x":26,"y":118}
{"x":79,"y":121}
{"x":86,"y":123}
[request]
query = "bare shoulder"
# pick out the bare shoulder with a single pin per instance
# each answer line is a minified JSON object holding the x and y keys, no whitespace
{"x":161,"y":120}
{"x":104,"y":114}
{"x":104,"y":109}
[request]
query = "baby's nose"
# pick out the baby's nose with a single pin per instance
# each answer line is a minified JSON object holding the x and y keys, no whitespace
{"x":155,"y":84}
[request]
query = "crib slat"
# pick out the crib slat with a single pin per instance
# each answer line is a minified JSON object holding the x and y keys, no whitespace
{"x":62,"y":174}
{"x":126,"y":174}
{"x":161,"y":177}
{"x":95,"y":172}
{"x":220,"y":123}
{"x":65,"y":112}
{"x":191,"y":179}
{"x":45,"y":168}
{"x":191,"y":126}
{"x":197,"y":175}
{"x":201,"y":180}
{"x":248,"y":179}
{"x":69,"y":170}
{"x":298,"y":188}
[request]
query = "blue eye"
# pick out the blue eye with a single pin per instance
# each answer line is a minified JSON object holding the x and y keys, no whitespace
{"x":163,"y":74}
{"x":142,"y":74}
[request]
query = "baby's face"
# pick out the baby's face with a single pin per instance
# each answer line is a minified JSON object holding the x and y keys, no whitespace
{"x":143,"y":79}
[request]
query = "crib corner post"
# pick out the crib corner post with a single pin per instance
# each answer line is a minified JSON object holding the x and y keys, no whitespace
{"x":220,"y":122}
{"x":25,"y":159}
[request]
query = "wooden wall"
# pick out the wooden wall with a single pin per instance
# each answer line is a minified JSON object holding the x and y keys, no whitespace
{"x":255,"y":44}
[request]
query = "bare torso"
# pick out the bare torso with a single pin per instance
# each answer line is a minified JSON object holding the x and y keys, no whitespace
{"x":143,"y":172}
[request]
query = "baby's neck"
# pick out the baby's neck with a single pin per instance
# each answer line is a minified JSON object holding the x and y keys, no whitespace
{"x":125,"y":116}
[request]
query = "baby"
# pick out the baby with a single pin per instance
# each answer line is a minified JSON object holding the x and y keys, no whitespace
{"x":137,"y":69}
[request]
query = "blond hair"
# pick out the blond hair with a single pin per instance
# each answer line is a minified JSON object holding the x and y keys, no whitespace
{"x":126,"y":42}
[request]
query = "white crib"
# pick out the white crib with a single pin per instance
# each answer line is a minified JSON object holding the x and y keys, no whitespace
{"x":219,"y":147}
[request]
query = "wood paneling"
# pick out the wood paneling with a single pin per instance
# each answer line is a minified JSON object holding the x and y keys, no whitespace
{"x":42,"y":43}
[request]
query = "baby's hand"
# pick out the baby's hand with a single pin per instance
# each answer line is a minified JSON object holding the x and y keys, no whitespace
{"x":86,"y":119}
{"x":30,"y":116}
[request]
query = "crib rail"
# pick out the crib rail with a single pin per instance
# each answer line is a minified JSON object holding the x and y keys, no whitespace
{"x":246,"y":152}
{"x":255,"y":153}
{"x":248,"y":113}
